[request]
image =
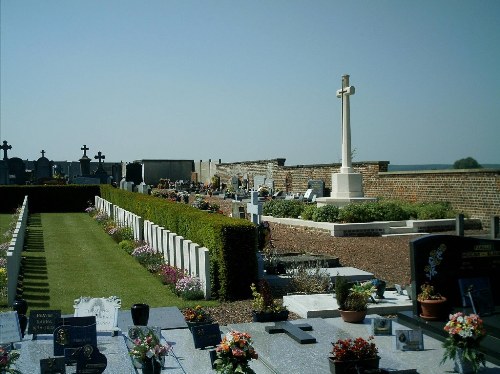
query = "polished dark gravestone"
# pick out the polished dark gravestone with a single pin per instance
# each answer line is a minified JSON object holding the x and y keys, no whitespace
{"x":295,"y":331}
{"x":43,"y":322}
{"x":72,"y":333}
{"x":451,"y":263}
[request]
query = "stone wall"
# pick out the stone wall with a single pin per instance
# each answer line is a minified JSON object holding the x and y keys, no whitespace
{"x":473,"y":192}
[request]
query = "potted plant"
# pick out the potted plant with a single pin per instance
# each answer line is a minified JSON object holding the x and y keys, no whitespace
{"x":352,"y":299}
{"x":462,"y":343}
{"x":266,"y":309}
{"x":196,"y":316}
{"x":353,"y":356}
{"x":234,"y":353}
{"x":432,"y":303}
{"x":7,"y":359}
{"x":149,"y":352}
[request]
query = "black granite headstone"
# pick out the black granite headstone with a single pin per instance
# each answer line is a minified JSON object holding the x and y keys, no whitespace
{"x":90,"y":361}
{"x":206,"y":335}
{"x":318,"y":187}
{"x":52,"y":365}
{"x":442,"y":260}
{"x":72,"y":333}
{"x":43,"y":321}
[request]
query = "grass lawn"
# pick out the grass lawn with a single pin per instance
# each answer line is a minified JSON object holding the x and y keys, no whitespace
{"x":4,"y":224}
{"x":69,"y":255}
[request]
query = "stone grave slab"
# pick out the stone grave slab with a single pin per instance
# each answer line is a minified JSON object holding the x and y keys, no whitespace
{"x":105,"y":311}
{"x":195,"y":361}
{"x":113,"y":347}
{"x":167,"y":318}
{"x":325,"y":305}
{"x":9,"y":328}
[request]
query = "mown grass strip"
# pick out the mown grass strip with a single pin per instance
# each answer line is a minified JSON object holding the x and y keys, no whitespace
{"x":80,"y":259}
{"x":4,"y":224}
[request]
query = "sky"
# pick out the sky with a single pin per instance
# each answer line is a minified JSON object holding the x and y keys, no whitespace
{"x":242,"y":80}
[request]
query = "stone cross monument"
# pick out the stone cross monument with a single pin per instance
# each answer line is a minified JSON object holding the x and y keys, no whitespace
{"x":5,"y":147}
{"x":85,"y":162}
{"x":347,"y":186}
{"x":344,"y":94}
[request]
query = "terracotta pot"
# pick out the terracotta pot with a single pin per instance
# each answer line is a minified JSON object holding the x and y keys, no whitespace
{"x":352,"y":316}
{"x":433,"y":309}
{"x":353,"y":367}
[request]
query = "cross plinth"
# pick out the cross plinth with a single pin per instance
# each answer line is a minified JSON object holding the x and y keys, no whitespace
{"x":5,"y":147}
{"x":344,"y":94}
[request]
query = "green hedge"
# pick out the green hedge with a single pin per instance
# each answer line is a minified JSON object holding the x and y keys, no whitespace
{"x":48,"y":199}
{"x":232,"y":242}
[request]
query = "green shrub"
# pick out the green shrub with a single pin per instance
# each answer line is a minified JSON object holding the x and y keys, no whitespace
{"x":365,"y":212}
{"x":308,"y":212}
{"x":326,"y":213}
{"x":435,"y":211}
{"x":128,"y":246}
{"x":393,"y":211}
{"x":284,"y":208}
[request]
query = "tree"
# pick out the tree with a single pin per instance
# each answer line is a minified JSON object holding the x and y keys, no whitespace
{"x":466,"y":163}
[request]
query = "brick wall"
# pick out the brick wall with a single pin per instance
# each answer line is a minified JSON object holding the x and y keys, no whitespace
{"x":473,"y":192}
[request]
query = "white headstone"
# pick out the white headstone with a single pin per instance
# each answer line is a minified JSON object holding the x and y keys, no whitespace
{"x":105,"y":311}
{"x":254,"y":208}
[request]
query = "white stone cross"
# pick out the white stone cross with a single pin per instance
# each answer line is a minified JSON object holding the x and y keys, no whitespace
{"x":254,"y":208}
{"x":344,"y":93}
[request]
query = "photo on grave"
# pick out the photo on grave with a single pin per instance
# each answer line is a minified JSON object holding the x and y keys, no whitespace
{"x":409,"y":340}
{"x":381,"y":326}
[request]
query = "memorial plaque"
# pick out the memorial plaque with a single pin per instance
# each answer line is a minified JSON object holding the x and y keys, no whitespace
{"x":381,"y":326}
{"x":72,"y":333}
{"x":10,"y":331}
{"x":43,"y":321}
{"x":409,"y":340}
{"x":52,"y":365}
{"x":206,"y":335}
{"x":90,"y":361}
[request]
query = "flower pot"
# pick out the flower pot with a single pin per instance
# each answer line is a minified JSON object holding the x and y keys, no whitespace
{"x":462,"y":366}
{"x":151,"y":366}
{"x":353,"y":367}
{"x":353,"y":316}
{"x":270,"y":316}
{"x":140,"y":314}
{"x":433,"y":310}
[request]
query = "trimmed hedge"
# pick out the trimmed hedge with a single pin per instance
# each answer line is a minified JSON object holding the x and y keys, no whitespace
{"x":232,"y":242}
{"x":48,"y":199}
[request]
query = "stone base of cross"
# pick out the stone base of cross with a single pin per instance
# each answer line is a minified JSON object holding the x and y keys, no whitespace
{"x":254,"y":208}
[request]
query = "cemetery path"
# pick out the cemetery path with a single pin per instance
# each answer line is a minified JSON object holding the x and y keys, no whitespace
{"x":68,"y":255}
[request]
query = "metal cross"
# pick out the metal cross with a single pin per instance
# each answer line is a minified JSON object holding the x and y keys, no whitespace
{"x":84,"y":149}
{"x":99,"y":157}
{"x":5,"y":147}
{"x":43,"y":153}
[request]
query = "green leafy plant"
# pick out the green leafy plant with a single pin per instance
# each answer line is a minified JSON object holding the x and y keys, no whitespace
{"x":326,"y":213}
{"x":309,"y":279}
{"x":342,"y":287}
{"x":263,"y":300}
{"x":358,"y":297}
{"x":428,"y":293}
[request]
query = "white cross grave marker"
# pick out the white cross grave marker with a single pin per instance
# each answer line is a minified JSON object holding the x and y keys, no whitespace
{"x":254,"y":208}
{"x":344,"y":93}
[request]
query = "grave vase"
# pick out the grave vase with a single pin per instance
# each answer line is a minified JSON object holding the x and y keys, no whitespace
{"x":140,"y":314}
{"x":353,"y":367}
{"x":461,"y":365}
{"x":151,"y":366}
